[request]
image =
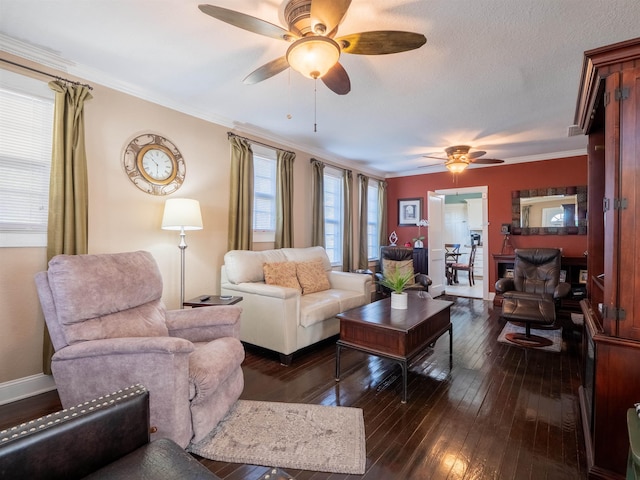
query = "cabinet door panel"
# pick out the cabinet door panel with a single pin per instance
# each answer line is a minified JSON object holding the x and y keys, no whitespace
{"x":611,"y":192}
{"x":629,"y":227}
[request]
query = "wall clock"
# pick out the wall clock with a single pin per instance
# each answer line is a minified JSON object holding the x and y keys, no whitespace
{"x":154,"y":164}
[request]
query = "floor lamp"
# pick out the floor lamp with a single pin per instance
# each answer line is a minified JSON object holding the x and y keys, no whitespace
{"x":182,"y":214}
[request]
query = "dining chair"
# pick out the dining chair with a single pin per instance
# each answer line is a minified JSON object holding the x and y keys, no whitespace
{"x":451,"y":255}
{"x":454,"y":267}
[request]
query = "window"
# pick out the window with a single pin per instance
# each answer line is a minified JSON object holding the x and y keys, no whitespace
{"x":373,"y":229}
{"x":25,"y":160}
{"x":264,"y":194}
{"x":333,"y":222}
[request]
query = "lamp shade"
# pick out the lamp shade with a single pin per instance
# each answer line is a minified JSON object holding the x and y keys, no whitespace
{"x":313,"y":56}
{"x":182,"y":213}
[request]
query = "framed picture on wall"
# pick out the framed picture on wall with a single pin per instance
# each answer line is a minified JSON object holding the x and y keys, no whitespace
{"x":409,"y":211}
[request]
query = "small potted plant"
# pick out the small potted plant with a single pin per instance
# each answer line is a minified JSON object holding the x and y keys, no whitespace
{"x":417,"y":241}
{"x":397,"y":281}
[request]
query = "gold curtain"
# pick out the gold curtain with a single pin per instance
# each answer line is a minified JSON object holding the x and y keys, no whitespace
{"x":241,"y":195}
{"x":284,"y":199}
{"x":347,"y":234}
{"x":363,"y":255}
{"x":382,"y":213}
{"x":317,"y":205}
{"x":67,"y":231}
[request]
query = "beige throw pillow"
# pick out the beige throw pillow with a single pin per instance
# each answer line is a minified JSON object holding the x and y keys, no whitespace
{"x":282,"y":274}
{"x":312,"y":277}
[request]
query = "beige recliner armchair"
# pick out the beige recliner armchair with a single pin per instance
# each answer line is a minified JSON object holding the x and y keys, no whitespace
{"x":110,"y":328}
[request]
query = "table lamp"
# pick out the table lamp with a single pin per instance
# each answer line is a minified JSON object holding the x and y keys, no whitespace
{"x":182,"y":214}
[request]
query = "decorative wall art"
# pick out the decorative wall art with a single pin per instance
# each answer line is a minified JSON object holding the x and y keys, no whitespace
{"x":409,"y":211}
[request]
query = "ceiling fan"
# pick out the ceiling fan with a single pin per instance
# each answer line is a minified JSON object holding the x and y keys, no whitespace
{"x":314,"y":52}
{"x":459,"y":158}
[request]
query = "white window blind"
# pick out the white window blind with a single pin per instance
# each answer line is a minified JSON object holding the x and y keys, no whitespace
{"x":26,"y":125}
{"x":333,"y":221}
{"x":264,"y":195}
{"x":372,"y":221}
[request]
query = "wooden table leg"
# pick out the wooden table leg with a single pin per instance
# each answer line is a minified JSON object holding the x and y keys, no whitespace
{"x":451,"y":346}
{"x":338,"y":348}
{"x":403,"y":365}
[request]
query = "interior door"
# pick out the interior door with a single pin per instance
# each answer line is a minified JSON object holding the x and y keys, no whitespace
{"x":435,"y":212}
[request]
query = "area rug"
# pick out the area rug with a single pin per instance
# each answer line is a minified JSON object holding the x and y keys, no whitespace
{"x":554,"y":335}
{"x":289,"y":435}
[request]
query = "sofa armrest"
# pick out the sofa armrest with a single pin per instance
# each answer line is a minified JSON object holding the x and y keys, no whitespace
{"x":204,"y":324}
{"x":357,"y":282}
{"x":75,"y":442}
{"x":158,"y":460}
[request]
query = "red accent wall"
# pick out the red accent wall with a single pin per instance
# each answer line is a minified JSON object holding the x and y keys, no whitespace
{"x":500,"y":180}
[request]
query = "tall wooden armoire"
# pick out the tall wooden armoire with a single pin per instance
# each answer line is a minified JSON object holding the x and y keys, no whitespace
{"x":608,"y":111}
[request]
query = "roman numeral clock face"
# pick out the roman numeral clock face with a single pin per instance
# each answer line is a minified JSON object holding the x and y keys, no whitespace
{"x":157,"y":164}
{"x":154,"y":164}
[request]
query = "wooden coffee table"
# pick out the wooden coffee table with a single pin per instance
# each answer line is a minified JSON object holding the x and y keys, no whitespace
{"x":398,"y":335}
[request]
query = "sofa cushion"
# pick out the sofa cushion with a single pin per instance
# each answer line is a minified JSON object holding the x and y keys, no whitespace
{"x":312,"y":277}
{"x":282,"y":274}
{"x":107,"y":296}
{"x":246,"y":265}
{"x":318,"y":307}
{"x":144,"y":321}
{"x":308,"y":254}
{"x":79,"y":297}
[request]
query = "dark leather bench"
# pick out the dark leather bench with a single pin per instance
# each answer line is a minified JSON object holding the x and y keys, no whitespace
{"x":106,"y":438}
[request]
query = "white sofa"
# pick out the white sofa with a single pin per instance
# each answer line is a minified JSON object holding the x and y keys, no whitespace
{"x":283,"y":319}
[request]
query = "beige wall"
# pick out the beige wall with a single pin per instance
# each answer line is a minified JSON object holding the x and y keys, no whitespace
{"x":123,"y":218}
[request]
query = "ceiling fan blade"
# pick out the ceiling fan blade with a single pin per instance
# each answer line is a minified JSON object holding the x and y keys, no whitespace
{"x":381,"y":42}
{"x":328,"y":13}
{"x":247,"y":22}
{"x":337,"y":80}
{"x":267,"y":70}
{"x":486,"y":161}
{"x":435,"y":158}
{"x":476,"y":154}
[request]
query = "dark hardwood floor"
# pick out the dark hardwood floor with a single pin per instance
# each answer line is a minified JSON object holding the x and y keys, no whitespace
{"x":501,"y":412}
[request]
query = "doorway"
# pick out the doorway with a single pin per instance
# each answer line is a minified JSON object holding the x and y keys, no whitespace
{"x":464,"y":222}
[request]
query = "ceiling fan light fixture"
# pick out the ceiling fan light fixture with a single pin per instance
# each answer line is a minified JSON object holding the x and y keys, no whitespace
{"x":313,"y":56}
{"x":457,"y":165}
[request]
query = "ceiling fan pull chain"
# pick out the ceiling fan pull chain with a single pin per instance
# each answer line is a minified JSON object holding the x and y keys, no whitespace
{"x":315,"y":104}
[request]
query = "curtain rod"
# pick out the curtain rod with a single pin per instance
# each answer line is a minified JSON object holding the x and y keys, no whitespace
{"x":311,"y":160}
{"x":73,"y":82}
{"x":231,"y":134}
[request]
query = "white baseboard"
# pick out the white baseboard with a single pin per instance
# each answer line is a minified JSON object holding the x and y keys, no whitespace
{"x":25,"y":387}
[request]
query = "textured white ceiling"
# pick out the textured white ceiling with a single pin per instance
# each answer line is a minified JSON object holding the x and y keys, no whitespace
{"x":499,"y":75}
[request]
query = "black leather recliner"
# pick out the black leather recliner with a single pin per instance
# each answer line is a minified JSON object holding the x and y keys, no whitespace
{"x":531,"y":296}
{"x":400,"y":258}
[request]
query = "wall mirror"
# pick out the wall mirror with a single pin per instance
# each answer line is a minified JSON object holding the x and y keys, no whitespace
{"x":549,"y":211}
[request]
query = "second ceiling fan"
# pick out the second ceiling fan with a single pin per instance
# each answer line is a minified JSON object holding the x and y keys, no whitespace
{"x":459,"y":158}
{"x":314,"y":52}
